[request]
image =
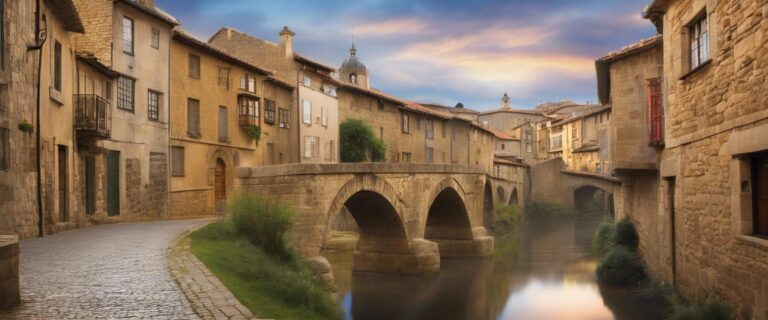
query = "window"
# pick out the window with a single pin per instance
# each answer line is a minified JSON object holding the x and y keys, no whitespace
{"x":5,"y":148}
{"x":406,"y":128}
{"x":107,"y":90}
{"x":194,"y":66}
{"x":57,"y":66}
{"x":330,"y":151}
{"x":655,"y":113}
{"x":125,"y":93}
{"x":699,"y":42}
{"x":153,"y":105}
{"x":502,"y":146}
{"x":760,"y":194}
{"x":557,"y":142}
{"x":223,"y":124}
{"x":284,"y":118}
{"x":177,"y":161}
{"x":306,"y":112}
{"x":269,"y":111}
{"x":155,"y":38}
{"x":249,"y":111}
{"x":430,"y":129}
{"x":244,"y":82}
{"x":430,"y":155}
{"x":574,"y":132}
{"x":311,"y":147}
{"x":324,"y":116}
{"x":329,"y":90}
{"x":353,"y":78}
{"x":406,"y":157}
{"x":193,"y":118}
{"x":306,"y":81}
{"x":128,"y":35}
{"x":224,"y":77}
{"x":251,"y":84}
{"x":598,"y":167}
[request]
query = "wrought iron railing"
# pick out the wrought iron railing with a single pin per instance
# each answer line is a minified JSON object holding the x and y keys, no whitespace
{"x":93,"y":117}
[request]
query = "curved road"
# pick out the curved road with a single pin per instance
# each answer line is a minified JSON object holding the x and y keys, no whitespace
{"x":114,"y":271}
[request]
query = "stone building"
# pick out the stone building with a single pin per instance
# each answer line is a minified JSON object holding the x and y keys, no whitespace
{"x":713,"y":177}
{"x":317,"y":119}
{"x":132,"y":38}
{"x":216,"y":99}
{"x":516,"y":122}
{"x":54,"y":61}
{"x":586,"y":141}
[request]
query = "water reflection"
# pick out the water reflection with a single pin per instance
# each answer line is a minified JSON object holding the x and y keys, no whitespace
{"x":545,"y":272}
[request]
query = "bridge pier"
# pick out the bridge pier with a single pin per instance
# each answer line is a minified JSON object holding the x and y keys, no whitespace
{"x":480,"y":245}
{"x":422,"y":256}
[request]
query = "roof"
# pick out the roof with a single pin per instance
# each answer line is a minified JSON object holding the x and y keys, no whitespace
{"x":278,"y":81}
{"x":304,"y":60}
{"x":449,"y":109}
{"x":596,"y":110}
{"x":586,"y":148}
{"x":352,"y":63}
{"x":640,"y":46}
{"x":66,"y":11}
{"x":371,"y":92}
{"x":502,"y":135}
{"x":94,"y":62}
{"x":154,"y":12}
{"x":181,"y":36}
{"x":523,"y":111}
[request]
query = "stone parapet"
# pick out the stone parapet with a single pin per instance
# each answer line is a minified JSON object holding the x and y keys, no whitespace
{"x":367,"y":167}
{"x":9,"y":272}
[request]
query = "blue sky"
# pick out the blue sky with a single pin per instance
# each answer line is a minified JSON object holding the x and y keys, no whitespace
{"x":444,"y":51}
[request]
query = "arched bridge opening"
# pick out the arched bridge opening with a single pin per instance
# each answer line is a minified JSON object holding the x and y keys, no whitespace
{"x":593,"y":200}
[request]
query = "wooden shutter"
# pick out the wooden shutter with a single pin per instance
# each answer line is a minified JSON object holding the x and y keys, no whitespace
{"x":193,"y":117}
{"x":223,"y":124}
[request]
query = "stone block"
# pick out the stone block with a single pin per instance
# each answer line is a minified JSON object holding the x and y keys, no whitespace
{"x":9,"y":272}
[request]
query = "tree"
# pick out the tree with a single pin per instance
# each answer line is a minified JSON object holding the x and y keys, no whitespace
{"x":358,"y":143}
{"x":460,"y":105}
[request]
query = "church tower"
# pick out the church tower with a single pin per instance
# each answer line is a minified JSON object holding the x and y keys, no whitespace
{"x":353,"y":70}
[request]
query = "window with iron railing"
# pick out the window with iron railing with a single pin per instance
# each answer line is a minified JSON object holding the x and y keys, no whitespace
{"x":655,"y":113}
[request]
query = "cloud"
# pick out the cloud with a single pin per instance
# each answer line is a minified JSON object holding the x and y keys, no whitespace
{"x":391,"y":27}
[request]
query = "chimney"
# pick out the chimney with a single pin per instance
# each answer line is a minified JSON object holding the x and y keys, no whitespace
{"x":147,"y":3}
{"x":286,"y":41}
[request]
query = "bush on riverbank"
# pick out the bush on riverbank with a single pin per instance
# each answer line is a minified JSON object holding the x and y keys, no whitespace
{"x":507,"y":219}
{"x":270,"y":287}
{"x":626,"y":235}
{"x":603,"y":241}
{"x":621,"y":267}
{"x":706,"y":309}
{"x":545,"y":209}
{"x":263,"y":221}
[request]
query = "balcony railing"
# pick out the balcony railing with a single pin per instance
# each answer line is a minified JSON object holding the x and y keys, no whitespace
{"x":93,"y":117}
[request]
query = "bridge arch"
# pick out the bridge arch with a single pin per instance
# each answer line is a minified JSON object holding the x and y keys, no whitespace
{"x":513,"y":197}
{"x":447,"y":214}
{"x":592,"y":198}
{"x":489,"y":216}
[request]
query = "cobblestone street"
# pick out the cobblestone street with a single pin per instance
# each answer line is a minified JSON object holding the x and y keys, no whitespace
{"x":104,"y":272}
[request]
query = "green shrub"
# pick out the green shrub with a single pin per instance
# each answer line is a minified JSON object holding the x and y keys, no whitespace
{"x":546,"y":209}
{"x":621,"y":267}
{"x":357,"y":141}
{"x":707,"y":309}
{"x":626,"y":234}
{"x":507,"y":218}
{"x":253,"y":132}
{"x":263,"y":221}
{"x":604,"y":239}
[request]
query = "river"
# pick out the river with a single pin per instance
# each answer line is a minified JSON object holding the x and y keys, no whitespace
{"x":544,"y":271}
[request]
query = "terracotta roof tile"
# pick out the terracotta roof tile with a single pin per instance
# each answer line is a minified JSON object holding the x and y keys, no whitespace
{"x":639,"y":46}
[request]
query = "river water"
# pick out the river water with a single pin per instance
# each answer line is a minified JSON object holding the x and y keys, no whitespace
{"x":545,"y":271}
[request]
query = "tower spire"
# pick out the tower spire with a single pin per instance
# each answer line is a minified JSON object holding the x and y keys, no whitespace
{"x":353,"y":50}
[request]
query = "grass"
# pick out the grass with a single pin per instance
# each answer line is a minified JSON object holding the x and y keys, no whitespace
{"x":507,"y":219}
{"x":269,"y":286}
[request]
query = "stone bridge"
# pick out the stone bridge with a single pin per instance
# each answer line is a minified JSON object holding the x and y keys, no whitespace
{"x":408,"y":214}
{"x":553,"y":183}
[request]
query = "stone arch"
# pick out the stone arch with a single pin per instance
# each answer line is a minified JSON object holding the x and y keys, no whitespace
{"x":514,"y":198}
{"x":500,"y":193}
{"x":374,"y":205}
{"x":489,"y":216}
{"x":591,"y":198}
{"x":229,"y":178}
{"x":447,"y":214}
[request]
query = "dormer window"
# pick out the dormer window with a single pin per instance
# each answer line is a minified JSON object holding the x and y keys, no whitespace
{"x":353,"y":78}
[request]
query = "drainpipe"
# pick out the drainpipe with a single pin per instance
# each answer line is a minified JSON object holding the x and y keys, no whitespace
{"x":40,"y":37}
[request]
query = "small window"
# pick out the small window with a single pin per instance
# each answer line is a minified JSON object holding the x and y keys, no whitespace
{"x":177,"y":161}
{"x":107,"y":92}
{"x":324,"y":116}
{"x":251,"y":84}
{"x":311,"y":147}
{"x":194,"y":66}
{"x":307,"y":81}
{"x":330,"y":151}
{"x":405,"y":124}
{"x":430,"y":155}
{"x":57,"y":66}
{"x":223,"y":124}
{"x":155,"y":38}
{"x":269,"y":111}
{"x":249,"y":111}
{"x":502,"y":146}
{"x":655,"y":113}
{"x":284,"y":118}
{"x":244,"y":82}
{"x":353,"y":78}
{"x":430,"y":129}
{"x":699,"y":41}
{"x":193,"y":118}
{"x":128,"y":35}
{"x":5,"y":149}
{"x":306,"y":112}
{"x":153,"y":105}
{"x":125,"y":93}
{"x":224,"y":77}
{"x":406,"y":157}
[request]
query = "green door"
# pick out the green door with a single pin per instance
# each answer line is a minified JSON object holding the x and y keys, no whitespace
{"x":113,"y":183}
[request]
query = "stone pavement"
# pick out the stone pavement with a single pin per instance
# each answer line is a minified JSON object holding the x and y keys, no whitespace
{"x":210,"y":299}
{"x":112,"y":271}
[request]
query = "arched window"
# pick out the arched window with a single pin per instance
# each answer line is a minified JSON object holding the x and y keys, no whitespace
{"x":353,"y":78}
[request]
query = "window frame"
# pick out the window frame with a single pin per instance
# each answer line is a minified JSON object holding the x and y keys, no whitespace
{"x":306,"y":112}
{"x":126,"y":101}
{"x":756,"y":218}
{"x":270,"y":111}
{"x":284,"y":118}
{"x":311,"y":151}
{"x":430,"y":128}
{"x":248,"y":111}
{"x":57,"y":65}
{"x":178,"y":154}
{"x":324,"y":116}
{"x":193,"y":123}
{"x":131,"y":41}
{"x":191,"y":57}
{"x":224,"y":77}
{"x":223,"y":130}
{"x":429,"y":155}
{"x":698,"y":41}
{"x":405,"y":125}
{"x":158,"y":106}
{"x":155,"y":38}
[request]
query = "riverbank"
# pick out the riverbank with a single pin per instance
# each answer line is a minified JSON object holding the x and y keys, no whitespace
{"x":269,"y":287}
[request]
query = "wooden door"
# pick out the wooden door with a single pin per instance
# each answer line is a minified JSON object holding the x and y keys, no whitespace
{"x":220,"y":186}
{"x":113,"y":183}
{"x":63,"y":185}
{"x":90,"y":185}
{"x":760,"y":182}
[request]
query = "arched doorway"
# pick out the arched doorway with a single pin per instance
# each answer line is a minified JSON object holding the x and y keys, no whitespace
{"x":513,"y":200}
{"x":590,"y":199}
{"x":447,"y":218}
{"x":220,"y":186}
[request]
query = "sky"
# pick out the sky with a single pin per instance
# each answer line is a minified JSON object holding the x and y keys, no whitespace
{"x":444,"y":51}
